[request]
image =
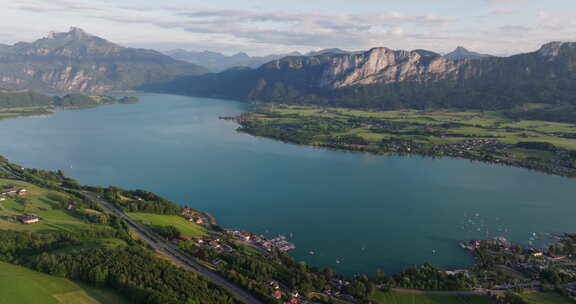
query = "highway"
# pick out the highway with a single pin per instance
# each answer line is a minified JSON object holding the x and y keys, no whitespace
{"x":174,"y":253}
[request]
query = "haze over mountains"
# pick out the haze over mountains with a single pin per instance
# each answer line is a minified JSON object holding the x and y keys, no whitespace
{"x":76,"y":61}
{"x":217,"y":62}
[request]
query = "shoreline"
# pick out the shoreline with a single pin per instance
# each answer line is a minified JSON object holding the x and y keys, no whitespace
{"x":571,"y":174}
{"x":329,"y":128}
{"x":39,"y":111}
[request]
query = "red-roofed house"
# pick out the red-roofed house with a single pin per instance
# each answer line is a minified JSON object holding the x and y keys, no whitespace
{"x":277,"y":294}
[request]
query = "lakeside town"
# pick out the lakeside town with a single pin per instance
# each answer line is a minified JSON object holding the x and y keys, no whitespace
{"x":501,"y":267}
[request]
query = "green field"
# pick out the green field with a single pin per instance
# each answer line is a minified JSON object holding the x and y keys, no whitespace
{"x":42,"y":202}
{"x":185,"y":227}
{"x":546,"y":298}
{"x":475,"y":123}
{"x":21,"y":285}
{"x":405,"y":298}
{"x":485,"y":136}
{"x":6,"y":113}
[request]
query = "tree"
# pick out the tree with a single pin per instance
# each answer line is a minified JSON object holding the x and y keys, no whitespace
{"x":25,"y":202}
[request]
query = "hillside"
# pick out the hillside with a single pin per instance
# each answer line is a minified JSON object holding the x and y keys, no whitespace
{"x":76,"y":61}
{"x":75,"y":239}
{"x":23,"y":98}
{"x":21,"y":285}
{"x":15,"y":103}
{"x":385,"y":78}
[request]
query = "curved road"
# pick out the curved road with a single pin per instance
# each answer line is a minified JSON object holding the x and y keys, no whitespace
{"x":175,"y":254}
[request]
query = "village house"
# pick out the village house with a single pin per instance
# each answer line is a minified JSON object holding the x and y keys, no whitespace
{"x":29,"y":219}
{"x":274,"y":284}
{"x":187,"y":211}
{"x":14,"y":191}
{"x":195,"y":219}
{"x":457,"y":272}
{"x":277,"y":294}
{"x":241,"y":234}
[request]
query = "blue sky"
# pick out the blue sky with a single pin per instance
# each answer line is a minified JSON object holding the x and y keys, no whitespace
{"x":262,"y":27}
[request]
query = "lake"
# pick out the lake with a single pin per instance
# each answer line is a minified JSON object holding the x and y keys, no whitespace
{"x":353,"y":212}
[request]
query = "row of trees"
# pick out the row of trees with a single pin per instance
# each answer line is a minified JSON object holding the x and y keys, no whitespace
{"x":427,"y":277}
{"x":140,"y":201}
{"x":134,"y":272}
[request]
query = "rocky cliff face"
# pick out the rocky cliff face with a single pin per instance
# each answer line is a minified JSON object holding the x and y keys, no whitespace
{"x":383,"y":65}
{"x":382,"y":77}
{"x":76,"y":61}
{"x":386,"y":66}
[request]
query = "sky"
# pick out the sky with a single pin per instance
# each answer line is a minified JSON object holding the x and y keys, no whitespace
{"x":259,"y":27}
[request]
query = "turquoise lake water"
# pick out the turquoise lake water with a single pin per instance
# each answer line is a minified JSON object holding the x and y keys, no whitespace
{"x":354,"y":212}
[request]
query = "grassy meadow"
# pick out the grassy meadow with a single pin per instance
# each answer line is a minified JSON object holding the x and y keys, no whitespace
{"x":476,"y":123}
{"x":21,"y":285}
{"x":185,"y":227}
{"x":407,"y":298}
{"x":6,"y":113}
{"x":545,"y":298}
{"x":39,"y":201}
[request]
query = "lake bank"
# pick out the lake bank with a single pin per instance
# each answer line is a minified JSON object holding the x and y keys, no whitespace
{"x":365,"y":211}
{"x":490,"y":137}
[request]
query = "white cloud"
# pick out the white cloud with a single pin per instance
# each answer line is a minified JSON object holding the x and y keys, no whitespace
{"x":272,"y":28}
{"x":504,"y":2}
{"x":557,"y":21}
{"x":258,"y":30}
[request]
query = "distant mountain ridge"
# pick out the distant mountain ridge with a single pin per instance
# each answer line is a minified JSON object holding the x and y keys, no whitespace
{"x":385,"y":78}
{"x":462,"y":53}
{"x":76,"y":61}
{"x":217,"y":62}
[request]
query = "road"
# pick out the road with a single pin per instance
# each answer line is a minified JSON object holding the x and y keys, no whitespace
{"x":175,"y":254}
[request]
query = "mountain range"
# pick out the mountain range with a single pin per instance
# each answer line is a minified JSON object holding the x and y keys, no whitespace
{"x":462,"y":53}
{"x":386,"y":78}
{"x":218,"y":62}
{"x":76,"y":61}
